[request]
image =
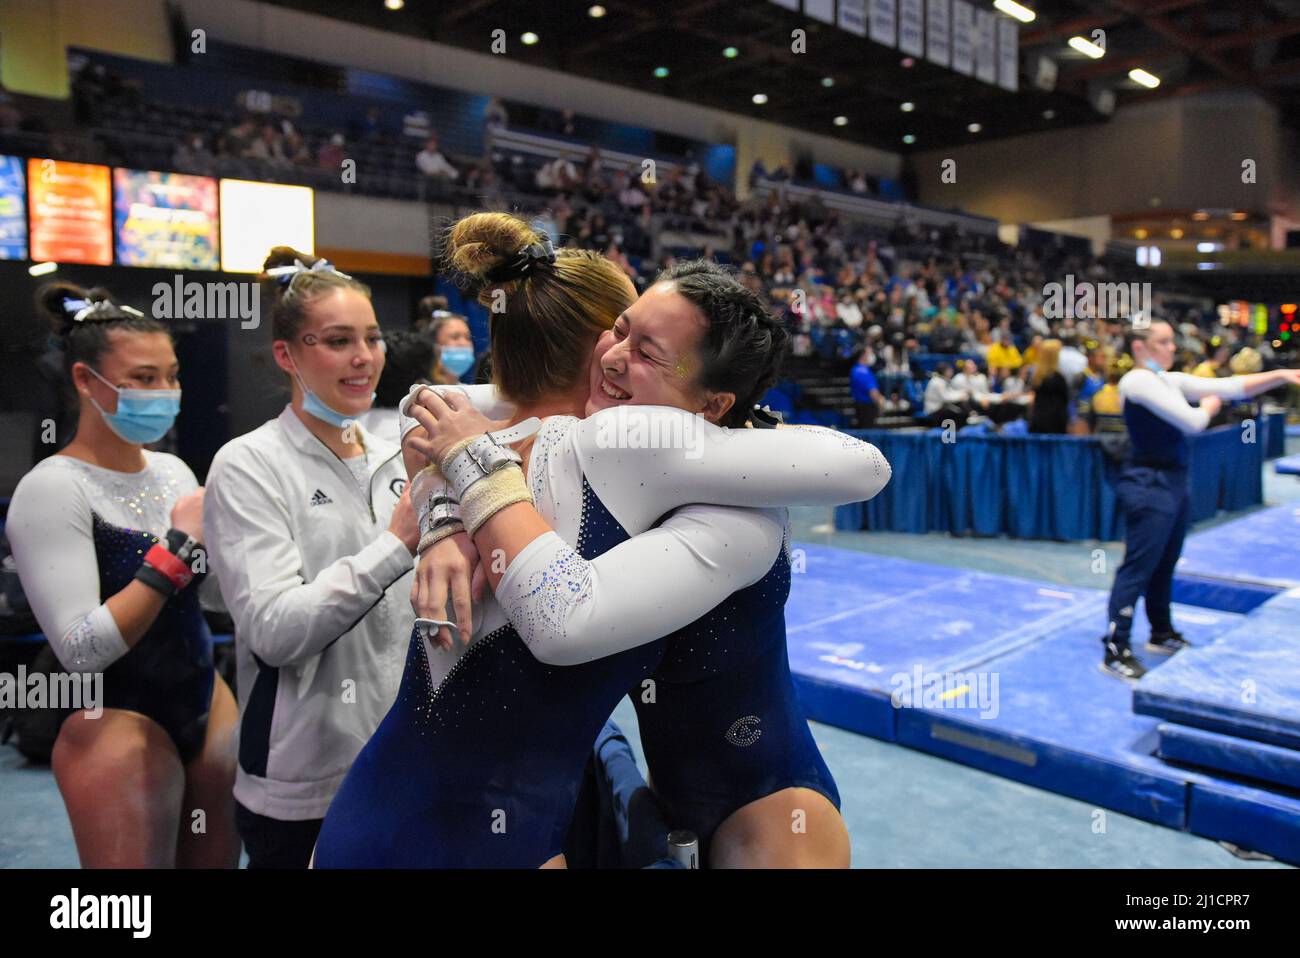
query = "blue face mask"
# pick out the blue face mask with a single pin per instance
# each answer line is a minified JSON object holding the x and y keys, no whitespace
{"x":312,"y":405}
{"x":143,"y":415}
{"x":1154,"y":366}
{"x":457,"y":359}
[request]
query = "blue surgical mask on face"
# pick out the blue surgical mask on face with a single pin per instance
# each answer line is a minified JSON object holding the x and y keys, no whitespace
{"x":143,"y":415}
{"x":312,"y":405}
{"x":457,"y":359}
{"x":1154,"y":366}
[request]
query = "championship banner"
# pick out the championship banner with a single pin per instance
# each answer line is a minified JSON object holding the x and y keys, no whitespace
{"x":853,"y":16}
{"x":986,"y":62}
{"x":938,"y":32}
{"x":911,"y":27}
{"x":884,"y":21}
{"x":1008,"y":54}
{"x":963,"y":39}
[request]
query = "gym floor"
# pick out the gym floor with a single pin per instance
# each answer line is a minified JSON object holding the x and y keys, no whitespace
{"x":904,"y":809}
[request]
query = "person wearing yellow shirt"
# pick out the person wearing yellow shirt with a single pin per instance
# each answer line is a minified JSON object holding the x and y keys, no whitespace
{"x":1003,"y":353}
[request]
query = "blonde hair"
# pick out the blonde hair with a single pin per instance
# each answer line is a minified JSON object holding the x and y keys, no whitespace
{"x":1049,"y":358}
{"x":544,"y":323}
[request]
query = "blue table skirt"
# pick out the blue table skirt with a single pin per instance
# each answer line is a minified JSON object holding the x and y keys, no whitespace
{"x":1034,"y":487}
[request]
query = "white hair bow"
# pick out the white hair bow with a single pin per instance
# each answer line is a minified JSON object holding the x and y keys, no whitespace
{"x":285,"y":274}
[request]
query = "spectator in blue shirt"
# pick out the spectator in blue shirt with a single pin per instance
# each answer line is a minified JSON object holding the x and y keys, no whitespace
{"x":867,"y":399}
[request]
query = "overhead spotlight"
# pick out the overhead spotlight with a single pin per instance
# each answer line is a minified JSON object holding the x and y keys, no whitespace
{"x":760,"y":98}
{"x":1200,"y":215}
{"x":908,"y":63}
{"x":731,"y":53}
{"x":394,"y":4}
{"x":1175,"y":233}
{"x":1087,"y":47}
{"x":661,"y":72}
{"x":1049,"y":114}
{"x":909,"y":139}
{"x":841,"y":121}
{"x":529,"y":38}
{"x":1140,"y":233}
{"x":974,"y":128}
{"x":1148,"y":80}
{"x":828,"y":81}
{"x":1237,"y":216}
{"x":40,"y":269}
{"x":907,"y":107}
{"x":596,"y":11}
{"x":1013,"y":9}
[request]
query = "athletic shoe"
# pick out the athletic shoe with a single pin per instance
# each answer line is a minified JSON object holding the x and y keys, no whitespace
{"x":1166,"y":643}
{"x":1121,"y":662}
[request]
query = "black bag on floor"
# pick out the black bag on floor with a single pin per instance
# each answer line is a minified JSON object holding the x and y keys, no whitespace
{"x":33,"y":730}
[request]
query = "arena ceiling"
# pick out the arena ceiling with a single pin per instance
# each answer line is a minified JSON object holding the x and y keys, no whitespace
{"x":1191,"y":45}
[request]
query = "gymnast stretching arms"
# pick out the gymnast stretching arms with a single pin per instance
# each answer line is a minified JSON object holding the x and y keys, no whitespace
{"x":106,"y":536}
{"x":481,"y":767}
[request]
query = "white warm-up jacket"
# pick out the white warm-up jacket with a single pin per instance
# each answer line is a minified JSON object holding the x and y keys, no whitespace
{"x":319,"y":591}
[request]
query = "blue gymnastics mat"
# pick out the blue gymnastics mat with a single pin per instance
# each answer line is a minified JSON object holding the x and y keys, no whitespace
{"x":1000,"y":674}
{"x":1254,"y":818}
{"x":1288,"y":465}
{"x":1246,"y":683}
{"x":1238,"y":565}
{"x":1293,"y":430}
{"x":1229,"y":754}
{"x":859,"y":625}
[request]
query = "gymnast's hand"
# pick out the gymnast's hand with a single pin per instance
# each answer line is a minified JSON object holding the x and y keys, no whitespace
{"x":451,"y":564}
{"x":447,"y":420}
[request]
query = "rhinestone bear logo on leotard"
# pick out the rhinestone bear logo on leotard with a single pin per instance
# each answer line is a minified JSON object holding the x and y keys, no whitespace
{"x":742,"y":732}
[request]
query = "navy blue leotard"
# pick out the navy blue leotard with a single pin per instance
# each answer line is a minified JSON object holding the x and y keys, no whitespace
{"x":725,"y":727}
{"x":482,"y":770}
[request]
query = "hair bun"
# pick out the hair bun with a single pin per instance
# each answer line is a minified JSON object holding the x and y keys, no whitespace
{"x":284,"y":256}
{"x":62,"y":301}
{"x":481,"y":242}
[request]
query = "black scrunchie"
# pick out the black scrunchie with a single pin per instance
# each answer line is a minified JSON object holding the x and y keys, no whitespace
{"x":522,"y":263}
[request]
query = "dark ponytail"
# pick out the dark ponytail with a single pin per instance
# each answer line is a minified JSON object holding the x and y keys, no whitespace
{"x":83,"y":319}
{"x":743,"y":346}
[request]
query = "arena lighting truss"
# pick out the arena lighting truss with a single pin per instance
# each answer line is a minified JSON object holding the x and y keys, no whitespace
{"x":721,"y":53}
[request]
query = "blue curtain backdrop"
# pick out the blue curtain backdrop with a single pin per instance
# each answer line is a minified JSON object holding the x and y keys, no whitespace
{"x":1034,"y":487}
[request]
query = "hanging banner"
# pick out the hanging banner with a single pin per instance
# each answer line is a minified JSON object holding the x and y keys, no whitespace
{"x":884,"y":21}
{"x":911,"y":27}
{"x":1008,"y":54}
{"x":853,"y":16}
{"x":938,"y":38}
{"x":963,"y":39}
{"x":986,"y":57}
{"x":823,"y":10}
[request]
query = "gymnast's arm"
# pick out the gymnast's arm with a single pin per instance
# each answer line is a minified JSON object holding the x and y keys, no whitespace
{"x":281,"y":617}
{"x":569,"y":610}
{"x":1233,"y":387}
{"x":50,"y":529}
{"x":1144,"y":387}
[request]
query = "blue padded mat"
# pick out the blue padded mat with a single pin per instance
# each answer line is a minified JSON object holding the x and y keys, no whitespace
{"x":1254,"y":818}
{"x":1059,"y":723}
{"x":1288,"y":465}
{"x":1293,"y":430}
{"x":1237,"y":565}
{"x":859,"y":624}
{"x":1246,"y":683}
{"x":1242,"y":757}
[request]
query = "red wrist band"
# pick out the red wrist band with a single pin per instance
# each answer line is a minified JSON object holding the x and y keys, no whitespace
{"x":175,"y":571}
